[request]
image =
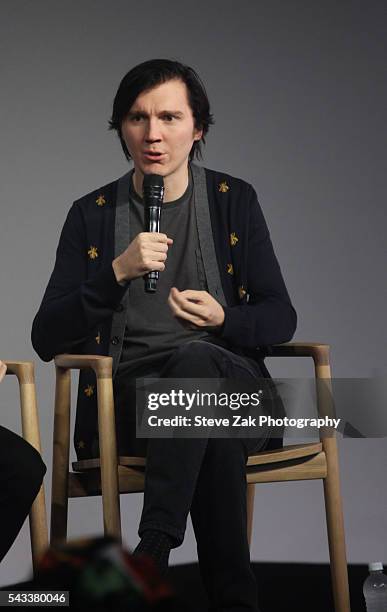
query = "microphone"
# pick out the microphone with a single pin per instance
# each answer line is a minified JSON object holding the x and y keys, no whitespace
{"x":153,"y":194}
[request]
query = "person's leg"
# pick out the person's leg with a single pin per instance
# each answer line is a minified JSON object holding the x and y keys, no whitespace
{"x":219,"y":519}
{"x":172,"y":481}
{"x":124,"y":389}
{"x":21,"y":475}
{"x":173,"y":464}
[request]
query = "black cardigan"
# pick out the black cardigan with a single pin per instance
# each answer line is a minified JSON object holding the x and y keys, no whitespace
{"x":82,"y":295}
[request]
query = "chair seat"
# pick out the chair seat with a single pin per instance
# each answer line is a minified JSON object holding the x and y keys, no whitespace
{"x":287,"y":453}
{"x":295,"y":462}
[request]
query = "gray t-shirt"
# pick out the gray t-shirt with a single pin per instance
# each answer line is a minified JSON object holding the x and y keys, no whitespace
{"x":152,"y":332}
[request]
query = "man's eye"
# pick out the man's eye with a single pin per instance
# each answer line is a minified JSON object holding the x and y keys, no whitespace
{"x":135,"y":117}
{"x":168,"y":117}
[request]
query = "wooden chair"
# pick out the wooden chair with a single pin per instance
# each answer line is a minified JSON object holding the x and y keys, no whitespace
{"x":24,"y":371}
{"x":111,"y":476}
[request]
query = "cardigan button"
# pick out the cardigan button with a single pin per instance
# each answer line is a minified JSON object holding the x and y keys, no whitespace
{"x":119,"y":308}
{"x":115,"y":340}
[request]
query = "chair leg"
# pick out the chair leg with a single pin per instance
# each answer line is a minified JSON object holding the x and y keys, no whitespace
{"x":60,"y":457}
{"x":37,"y":515}
{"x":335,"y":526}
{"x":108,"y":452}
{"x":250,"y":511}
{"x":38,"y":528}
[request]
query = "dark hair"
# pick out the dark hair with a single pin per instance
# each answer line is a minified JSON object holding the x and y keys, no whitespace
{"x":154,"y":72}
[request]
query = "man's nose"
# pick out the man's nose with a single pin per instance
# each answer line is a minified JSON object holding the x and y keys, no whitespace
{"x":153,"y":130}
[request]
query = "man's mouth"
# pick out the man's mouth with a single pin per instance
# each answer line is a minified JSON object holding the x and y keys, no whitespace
{"x":153,"y":152}
{"x":153,"y":156}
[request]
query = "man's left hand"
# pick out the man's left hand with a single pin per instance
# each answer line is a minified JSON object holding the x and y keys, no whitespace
{"x":198,"y":309}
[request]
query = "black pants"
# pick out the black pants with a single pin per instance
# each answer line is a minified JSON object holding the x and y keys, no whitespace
{"x":206,"y":477}
{"x":21,"y":475}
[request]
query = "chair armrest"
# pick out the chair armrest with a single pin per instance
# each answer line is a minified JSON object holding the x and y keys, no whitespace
{"x":318,"y":351}
{"x":101,"y":365}
{"x":23,"y":370}
{"x":320,"y":355}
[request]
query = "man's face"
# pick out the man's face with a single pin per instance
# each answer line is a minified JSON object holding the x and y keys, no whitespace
{"x":160,"y":120}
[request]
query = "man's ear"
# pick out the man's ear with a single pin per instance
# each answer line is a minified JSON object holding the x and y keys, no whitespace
{"x":198,"y":134}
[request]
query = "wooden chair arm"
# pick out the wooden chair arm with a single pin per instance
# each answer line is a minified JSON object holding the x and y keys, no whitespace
{"x":320,"y":355}
{"x":318,"y":351}
{"x":23,"y":370}
{"x":101,"y":365}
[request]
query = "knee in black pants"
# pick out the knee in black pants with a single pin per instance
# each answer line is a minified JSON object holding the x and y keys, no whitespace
{"x":193,"y":359}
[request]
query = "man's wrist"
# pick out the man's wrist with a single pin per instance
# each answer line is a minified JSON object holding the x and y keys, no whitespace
{"x":120,"y":278}
{"x":219,"y":328}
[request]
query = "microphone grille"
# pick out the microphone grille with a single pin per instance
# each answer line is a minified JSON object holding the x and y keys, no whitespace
{"x":153,"y":189}
{"x":151,"y":180}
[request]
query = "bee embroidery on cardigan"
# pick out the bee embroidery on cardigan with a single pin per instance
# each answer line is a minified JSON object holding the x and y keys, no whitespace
{"x":100,"y":201}
{"x":233,"y":239}
{"x":93,"y":252}
{"x":241,"y":292}
{"x":98,"y":338}
{"x":223,"y":187}
{"x":89,"y":390}
{"x":81,"y":444}
{"x":230,"y":269}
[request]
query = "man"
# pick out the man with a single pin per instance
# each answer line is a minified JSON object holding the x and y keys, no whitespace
{"x":21,"y":476}
{"x":220,"y":296}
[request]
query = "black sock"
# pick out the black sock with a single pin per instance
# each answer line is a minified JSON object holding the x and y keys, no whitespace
{"x":157,"y":545}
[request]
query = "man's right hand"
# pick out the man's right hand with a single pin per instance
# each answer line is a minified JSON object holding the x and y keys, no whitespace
{"x":147,"y":252}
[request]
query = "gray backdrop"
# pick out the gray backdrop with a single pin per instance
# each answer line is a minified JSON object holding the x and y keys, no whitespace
{"x":299,"y":95}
